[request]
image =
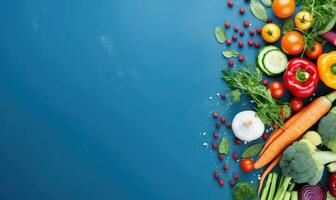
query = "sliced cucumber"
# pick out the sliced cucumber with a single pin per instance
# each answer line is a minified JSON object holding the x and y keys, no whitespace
{"x":275,"y":61}
{"x":260,"y":57}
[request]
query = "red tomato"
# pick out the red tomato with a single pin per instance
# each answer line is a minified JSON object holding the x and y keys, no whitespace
{"x":292,"y":43}
{"x":296,"y":104}
{"x":283,"y":8}
{"x":277,"y":90}
{"x":315,"y":52}
{"x":247,"y":165}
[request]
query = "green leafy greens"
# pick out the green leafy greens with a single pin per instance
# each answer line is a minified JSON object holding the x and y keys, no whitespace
{"x":220,"y":34}
{"x":224,"y":146}
{"x":244,"y":191}
{"x":258,"y":10}
{"x":252,"y":150}
{"x":230,"y":53}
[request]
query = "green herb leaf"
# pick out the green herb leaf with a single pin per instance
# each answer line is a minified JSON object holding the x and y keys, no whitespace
{"x":220,"y":34}
{"x":235,"y":95}
{"x":252,"y":150}
{"x":230,"y":53}
{"x":258,"y":10}
{"x":224,"y":146}
{"x":288,"y":26}
{"x":244,"y":191}
{"x":267,"y":3}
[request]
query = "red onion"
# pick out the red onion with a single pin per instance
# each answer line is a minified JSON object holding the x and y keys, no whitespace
{"x":330,"y":37}
{"x":312,"y":192}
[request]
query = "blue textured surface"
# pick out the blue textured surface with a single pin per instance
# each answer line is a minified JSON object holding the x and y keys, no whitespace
{"x":106,"y":99}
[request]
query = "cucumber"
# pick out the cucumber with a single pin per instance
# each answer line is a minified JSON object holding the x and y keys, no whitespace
{"x":260,"y":58}
{"x":275,"y":61}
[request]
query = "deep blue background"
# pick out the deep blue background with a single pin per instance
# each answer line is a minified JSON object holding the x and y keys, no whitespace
{"x":107,"y":99}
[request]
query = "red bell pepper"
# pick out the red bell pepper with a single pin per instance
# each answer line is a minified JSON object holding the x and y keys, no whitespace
{"x":301,"y":77}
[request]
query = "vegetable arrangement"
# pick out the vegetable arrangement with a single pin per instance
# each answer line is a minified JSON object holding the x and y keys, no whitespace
{"x":303,"y":64}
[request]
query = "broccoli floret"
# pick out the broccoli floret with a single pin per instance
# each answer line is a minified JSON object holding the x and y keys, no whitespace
{"x":327,"y":129}
{"x":314,"y":137}
{"x":304,"y":163}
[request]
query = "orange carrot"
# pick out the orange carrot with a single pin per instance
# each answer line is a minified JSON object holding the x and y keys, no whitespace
{"x":309,"y":116}
{"x":268,"y":170}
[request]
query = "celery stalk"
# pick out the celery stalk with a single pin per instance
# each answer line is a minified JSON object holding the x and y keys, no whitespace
{"x":267,"y":186}
{"x":294,"y":195}
{"x":283,"y":188}
{"x":273,"y":186}
{"x":287,"y":196}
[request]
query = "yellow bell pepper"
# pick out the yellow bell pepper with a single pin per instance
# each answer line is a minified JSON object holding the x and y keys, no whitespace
{"x":326,"y":64}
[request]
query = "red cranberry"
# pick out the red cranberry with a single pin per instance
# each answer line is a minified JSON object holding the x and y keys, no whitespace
{"x":241,"y":58}
{"x":234,"y":38}
{"x":241,"y":33}
{"x":240,"y":44}
{"x":215,"y":135}
{"x":222,"y":119}
{"x":235,"y":176}
{"x":259,"y":31}
{"x":257,"y":44}
{"x":220,"y":156}
{"x":265,"y":136}
{"x":235,"y":29}
{"x":228,"y":42}
{"x":251,"y":32}
{"x":227,"y":24}
{"x":241,"y":10}
{"x":231,"y":63}
{"x":237,"y":141}
{"x":226,"y":168}
{"x":250,"y":42}
{"x":214,"y":145}
{"x":269,"y":21}
{"x":216,"y":175}
{"x":246,"y":23}
{"x":221,"y":182}
{"x":235,"y":156}
{"x":232,"y":183}
{"x":217,"y":126}
{"x":215,"y":115}
{"x":228,"y":125}
{"x":222,"y":96}
{"x":265,"y":82}
{"x":230,"y":3}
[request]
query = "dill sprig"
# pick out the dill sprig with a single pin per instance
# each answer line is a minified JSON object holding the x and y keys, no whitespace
{"x":248,"y":81}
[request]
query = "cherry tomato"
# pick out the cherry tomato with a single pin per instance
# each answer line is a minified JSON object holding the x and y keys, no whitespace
{"x":270,"y":32}
{"x":296,"y":104}
{"x":277,"y":90}
{"x":247,"y":165}
{"x":303,"y":20}
{"x":283,"y":8}
{"x":332,"y":184}
{"x":292,"y":43}
{"x":315,"y":51}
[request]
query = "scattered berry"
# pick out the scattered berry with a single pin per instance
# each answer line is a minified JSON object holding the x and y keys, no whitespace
{"x":228,"y":125}
{"x":269,"y":21}
{"x":234,"y":155}
{"x":241,"y":58}
{"x":235,"y":29}
{"x":215,"y":115}
{"x":226,"y":168}
{"x":220,"y":156}
{"x":234,"y":38}
{"x":221,"y":182}
{"x":230,"y":3}
{"x":217,"y":126}
{"x":215,"y":135}
{"x":265,"y":136}
{"x":231,"y":63}
{"x":214,"y":145}
{"x":228,"y":42}
{"x":241,"y":33}
{"x":242,"y":10}
{"x":237,"y":141}
{"x":251,"y":32}
{"x":222,"y":96}
{"x":265,"y":82}
{"x":250,"y":42}
{"x":240,"y":44}
{"x":246,"y":23}
{"x":257,"y":44}
{"x":232,"y":183}
{"x":227,"y":24}
{"x":216,"y":175}
{"x":222,"y":119}
{"x":235,"y":176}
{"x":259,"y":31}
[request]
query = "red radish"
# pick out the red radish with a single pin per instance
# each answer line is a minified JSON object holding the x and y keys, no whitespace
{"x":215,"y":115}
{"x":312,"y":192}
{"x":330,"y":37}
{"x":216,"y":175}
{"x":215,"y":135}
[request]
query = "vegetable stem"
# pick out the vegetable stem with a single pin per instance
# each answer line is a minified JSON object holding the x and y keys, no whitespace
{"x":332,"y":96}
